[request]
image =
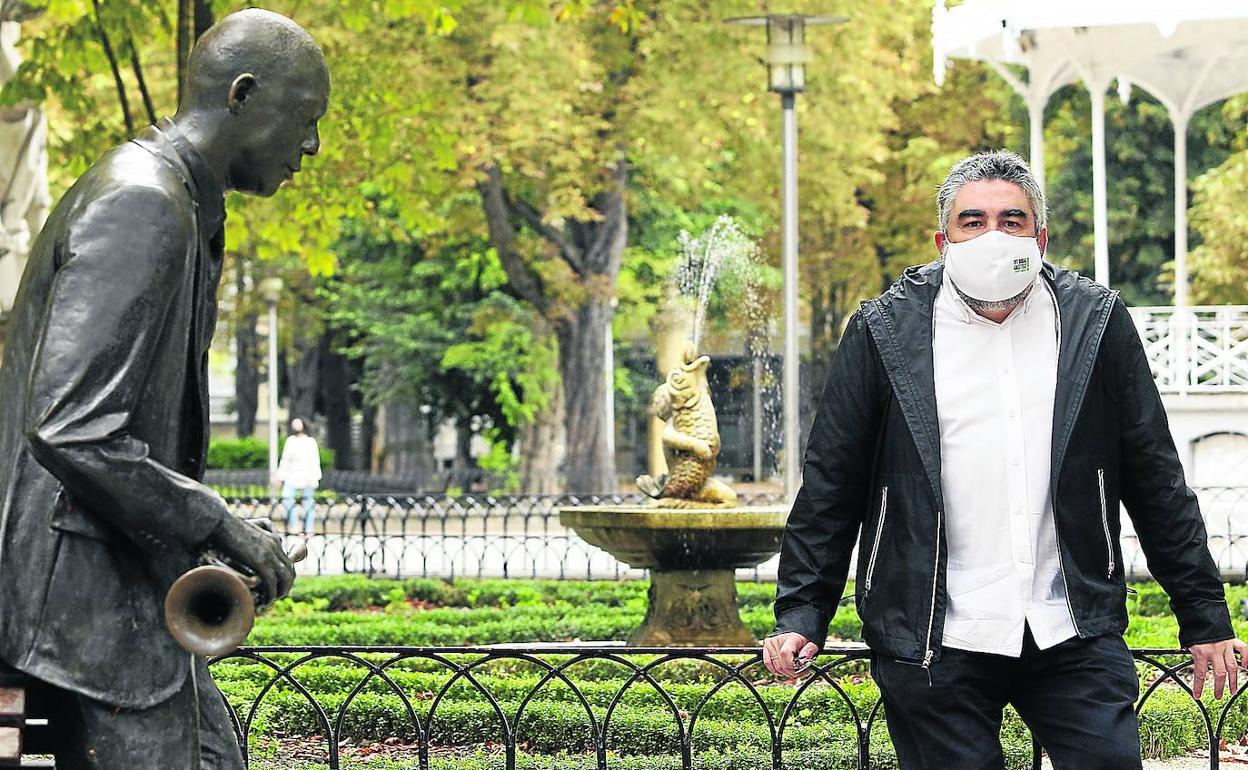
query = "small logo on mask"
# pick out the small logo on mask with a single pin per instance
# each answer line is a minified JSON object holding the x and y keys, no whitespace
{"x":1022,"y":265}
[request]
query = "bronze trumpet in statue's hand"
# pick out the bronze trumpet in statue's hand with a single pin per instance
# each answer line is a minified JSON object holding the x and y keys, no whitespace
{"x":211,"y":609}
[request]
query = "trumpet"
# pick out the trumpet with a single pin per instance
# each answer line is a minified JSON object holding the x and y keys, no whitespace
{"x":210,"y":609}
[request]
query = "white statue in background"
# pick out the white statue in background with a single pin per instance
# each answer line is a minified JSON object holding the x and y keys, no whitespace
{"x":24,"y":199}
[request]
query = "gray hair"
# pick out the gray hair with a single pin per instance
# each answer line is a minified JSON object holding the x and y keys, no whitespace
{"x":983,"y":166}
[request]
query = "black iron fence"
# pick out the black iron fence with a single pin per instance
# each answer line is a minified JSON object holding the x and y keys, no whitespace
{"x":602,"y":707}
{"x":252,"y":482}
{"x":438,"y":535}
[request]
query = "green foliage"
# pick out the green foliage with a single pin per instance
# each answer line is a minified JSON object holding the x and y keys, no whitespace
{"x":238,"y":454}
{"x":250,"y":453}
{"x":1219,"y":263}
{"x":1148,"y":601}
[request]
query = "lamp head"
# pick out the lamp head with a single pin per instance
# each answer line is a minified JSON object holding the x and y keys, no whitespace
{"x":787,"y":52}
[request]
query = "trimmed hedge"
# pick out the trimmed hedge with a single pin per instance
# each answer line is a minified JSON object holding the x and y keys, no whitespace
{"x":731,"y":732}
{"x":354,"y":610}
{"x":249,"y":453}
{"x":837,"y":757}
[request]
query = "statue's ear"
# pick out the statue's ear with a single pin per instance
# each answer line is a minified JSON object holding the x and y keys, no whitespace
{"x":243,"y":87}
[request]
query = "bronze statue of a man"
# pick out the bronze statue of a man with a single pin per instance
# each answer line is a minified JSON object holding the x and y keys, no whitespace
{"x":104,"y":408}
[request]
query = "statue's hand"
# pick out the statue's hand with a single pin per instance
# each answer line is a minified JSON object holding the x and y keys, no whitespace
{"x":701,"y":449}
{"x":259,"y":551}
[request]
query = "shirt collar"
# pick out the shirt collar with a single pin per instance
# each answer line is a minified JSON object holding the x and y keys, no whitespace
{"x":209,"y":192}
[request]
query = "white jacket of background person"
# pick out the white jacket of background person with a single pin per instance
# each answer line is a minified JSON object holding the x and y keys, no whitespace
{"x":300,"y":466}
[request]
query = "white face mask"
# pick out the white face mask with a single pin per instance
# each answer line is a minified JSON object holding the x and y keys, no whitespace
{"x":994,"y":266}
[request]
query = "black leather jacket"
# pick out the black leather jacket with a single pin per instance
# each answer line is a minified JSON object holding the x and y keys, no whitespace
{"x":876,"y":429}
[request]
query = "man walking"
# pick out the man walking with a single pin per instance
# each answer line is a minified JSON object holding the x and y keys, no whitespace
{"x":104,"y":410}
{"x":981,"y":423}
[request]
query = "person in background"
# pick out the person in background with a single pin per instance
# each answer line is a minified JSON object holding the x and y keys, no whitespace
{"x":300,"y":473}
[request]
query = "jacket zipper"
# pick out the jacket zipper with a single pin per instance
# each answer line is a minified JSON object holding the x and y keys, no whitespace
{"x":931,"y":618}
{"x":1109,"y":542}
{"x":875,"y":546}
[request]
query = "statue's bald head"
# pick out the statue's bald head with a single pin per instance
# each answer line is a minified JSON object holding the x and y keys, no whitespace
{"x":264,"y":44}
{"x":257,"y":85}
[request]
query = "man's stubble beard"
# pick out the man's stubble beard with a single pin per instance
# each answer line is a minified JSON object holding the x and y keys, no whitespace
{"x":1001,"y":304}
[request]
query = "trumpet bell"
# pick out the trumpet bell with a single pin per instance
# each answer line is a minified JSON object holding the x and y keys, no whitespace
{"x":209,"y":610}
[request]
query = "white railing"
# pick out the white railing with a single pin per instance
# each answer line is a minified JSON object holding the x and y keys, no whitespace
{"x":1197,"y":350}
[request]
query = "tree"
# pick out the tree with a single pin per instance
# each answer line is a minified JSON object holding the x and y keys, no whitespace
{"x":433,"y":326}
{"x":1140,"y":185}
{"x":1220,"y":262}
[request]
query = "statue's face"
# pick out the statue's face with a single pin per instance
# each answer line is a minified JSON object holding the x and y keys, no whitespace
{"x":280,"y":128}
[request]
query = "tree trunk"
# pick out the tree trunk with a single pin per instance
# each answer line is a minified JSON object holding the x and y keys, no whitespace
{"x":247,"y":359}
{"x":590,"y":468}
{"x":407,"y":447}
{"x":542,"y":444}
{"x":194,"y":19}
{"x":335,"y":404}
{"x":827,"y":315}
{"x":203,"y":17}
{"x":305,"y":375}
{"x":368,"y":437}
{"x":593,"y":249}
{"x":247,"y":374}
{"x":463,"y":443}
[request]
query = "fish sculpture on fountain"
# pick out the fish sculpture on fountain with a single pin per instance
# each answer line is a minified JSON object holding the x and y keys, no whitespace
{"x":690,"y":440}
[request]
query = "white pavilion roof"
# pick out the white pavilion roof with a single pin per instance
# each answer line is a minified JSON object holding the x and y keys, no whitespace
{"x":1187,"y":53}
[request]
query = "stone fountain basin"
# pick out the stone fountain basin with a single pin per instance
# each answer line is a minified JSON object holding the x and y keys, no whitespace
{"x":681,"y":538}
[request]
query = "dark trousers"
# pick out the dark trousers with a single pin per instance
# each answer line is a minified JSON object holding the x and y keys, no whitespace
{"x":1077,"y":698}
{"x":190,"y":731}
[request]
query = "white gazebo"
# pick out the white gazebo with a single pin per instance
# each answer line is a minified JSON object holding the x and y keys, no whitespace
{"x":1187,"y":54}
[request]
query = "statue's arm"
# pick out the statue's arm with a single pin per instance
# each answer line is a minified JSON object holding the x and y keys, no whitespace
{"x":125,"y":258}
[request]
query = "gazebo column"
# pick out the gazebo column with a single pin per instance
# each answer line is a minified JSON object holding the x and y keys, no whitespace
{"x":1035,"y":93}
{"x":1035,"y":117}
{"x":1100,"y":207}
{"x":1181,"y":324}
{"x":1180,"y":122}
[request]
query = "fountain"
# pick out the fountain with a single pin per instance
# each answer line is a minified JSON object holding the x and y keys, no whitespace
{"x":693,"y":535}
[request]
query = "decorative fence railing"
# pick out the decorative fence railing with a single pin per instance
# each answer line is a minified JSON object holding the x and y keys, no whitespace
{"x":520,"y":536}
{"x":251,"y":482}
{"x":602,"y":707}
{"x":1200,"y":349}
{"x":442,"y":536}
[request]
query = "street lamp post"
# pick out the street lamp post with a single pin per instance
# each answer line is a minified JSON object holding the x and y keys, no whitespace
{"x":787,"y":54}
{"x":271,"y":288}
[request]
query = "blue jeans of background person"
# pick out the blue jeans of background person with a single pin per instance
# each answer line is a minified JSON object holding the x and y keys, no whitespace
{"x":1077,"y":697}
{"x":309,"y":507}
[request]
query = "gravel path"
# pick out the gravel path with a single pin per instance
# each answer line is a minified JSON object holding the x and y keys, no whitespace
{"x":1190,"y":763}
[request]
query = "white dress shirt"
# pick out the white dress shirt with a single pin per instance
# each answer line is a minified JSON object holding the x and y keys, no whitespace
{"x":995,"y":386}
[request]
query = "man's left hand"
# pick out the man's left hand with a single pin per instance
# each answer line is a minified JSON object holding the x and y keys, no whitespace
{"x":1221,"y":657}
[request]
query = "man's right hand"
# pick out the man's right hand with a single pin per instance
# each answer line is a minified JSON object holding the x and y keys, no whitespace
{"x":261,"y":552}
{"x":781,"y":651}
